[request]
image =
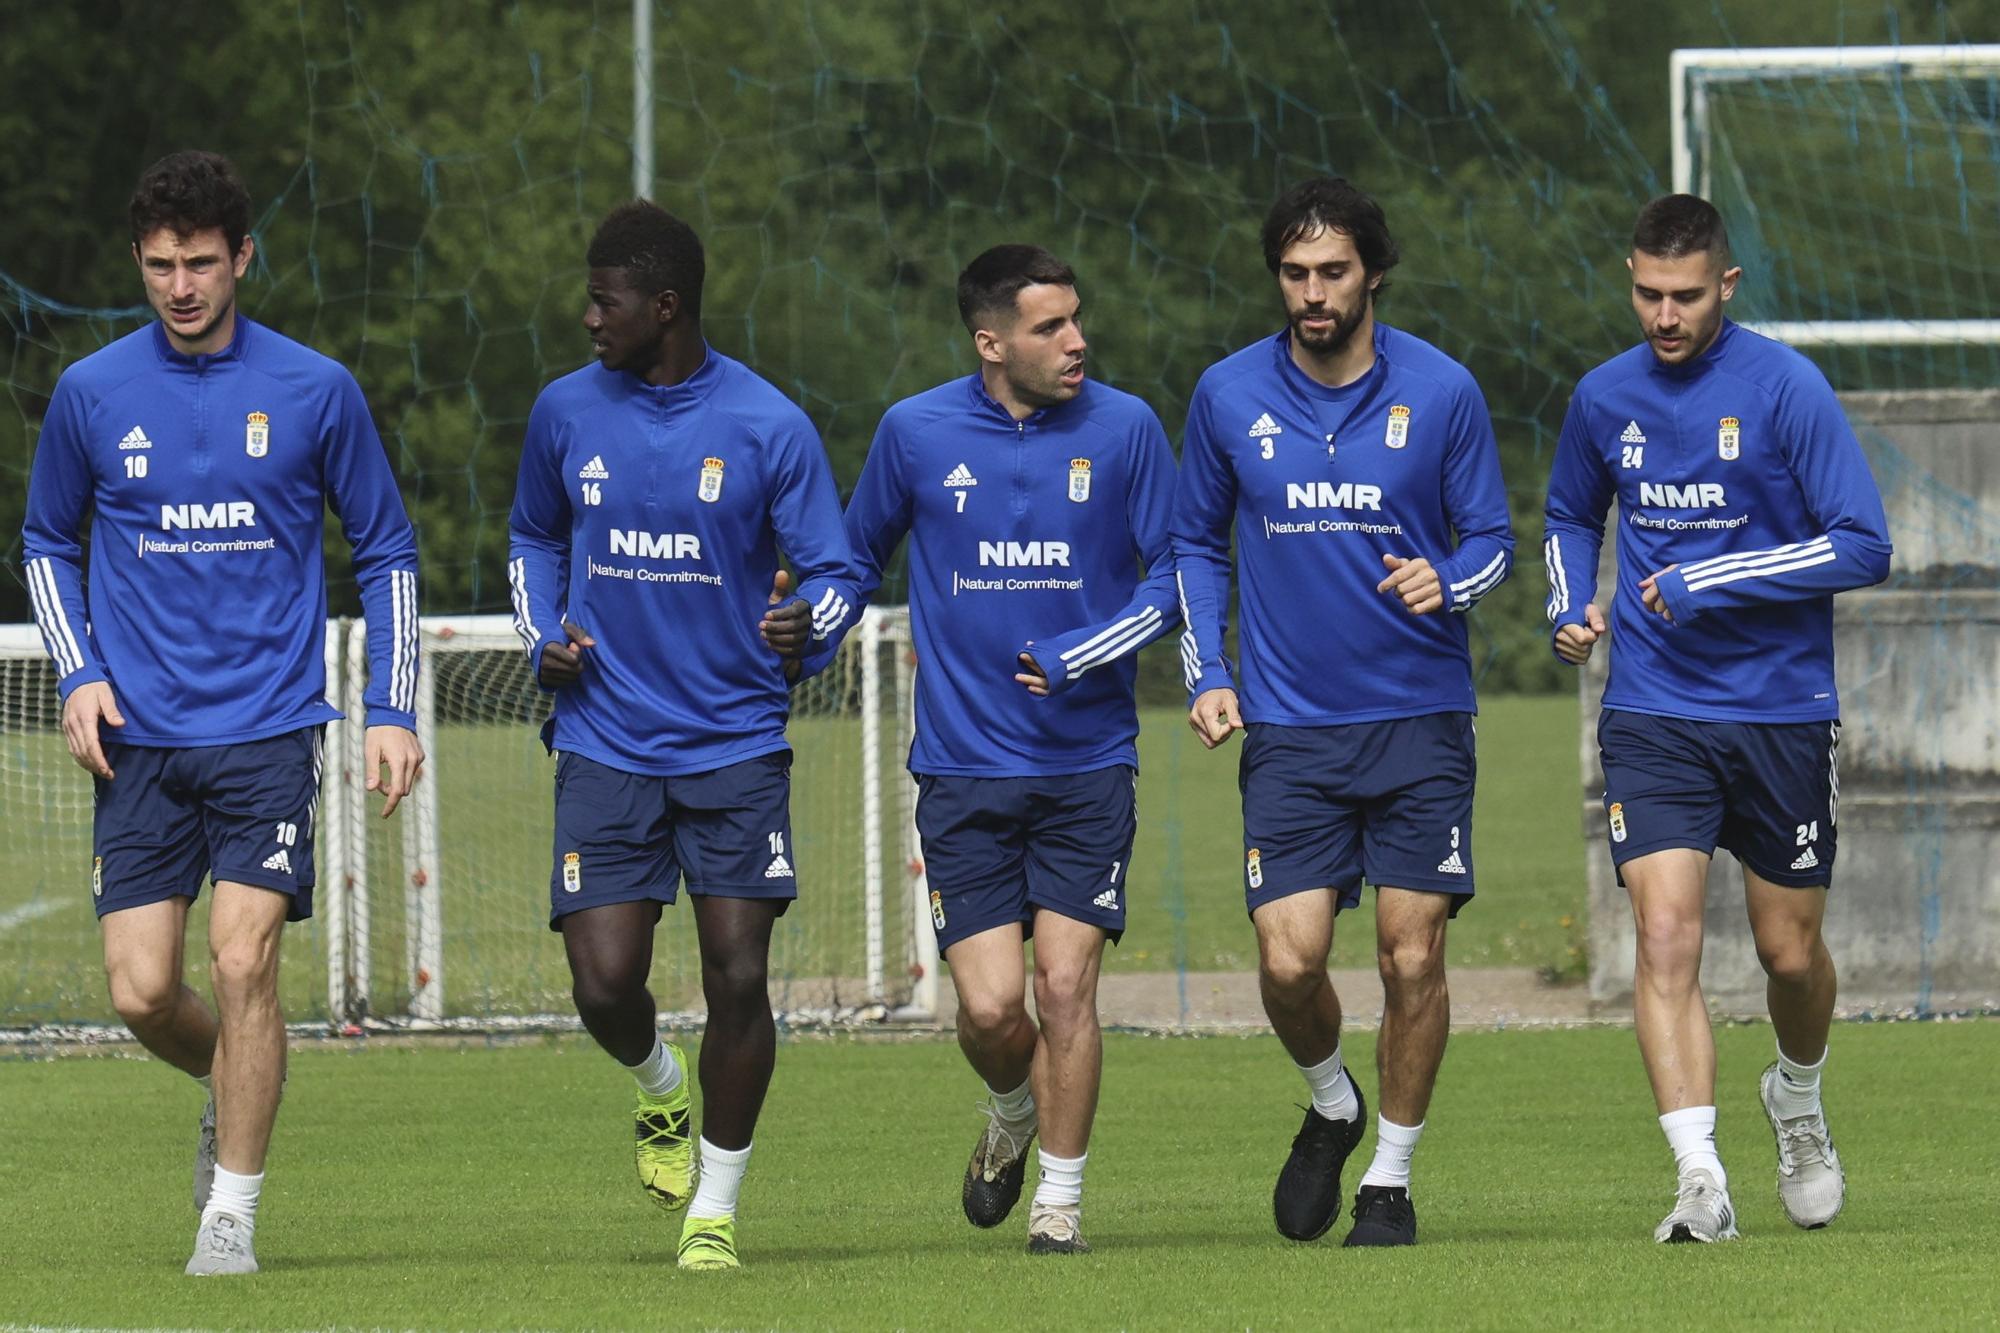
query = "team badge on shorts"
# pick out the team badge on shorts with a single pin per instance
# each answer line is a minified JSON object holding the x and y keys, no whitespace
{"x":937,"y":909}
{"x":1729,"y":439}
{"x":711,"y":480}
{"x":97,"y":877}
{"x":1254,"y":863}
{"x":1617,"y":813}
{"x":1079,"y":479}
{"x":257,"y":435}
{"x":1397,"y":433}
{"x":572,"y":872}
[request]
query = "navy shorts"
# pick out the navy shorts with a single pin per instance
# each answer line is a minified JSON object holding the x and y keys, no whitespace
{"x":242,"y":813}
{"x":630,"y":837}
{"x":1389,"y":802}
{"x":997,"y":848}
{"x":1767,"y":791}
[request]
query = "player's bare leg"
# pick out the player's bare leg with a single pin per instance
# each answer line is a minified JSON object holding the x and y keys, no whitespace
{"x":1068,"y":1065}
{"x":1801,"y":986}
{"x":244,"y":928}
{"x":1667,"y":890}
{"x":999,"y":1041}
{"x":739,"y":1048}
{"x":144,"y":951}
{"x":610,"y":951}
{"x":1294,"y":937}
{"x":1416,"y":1021}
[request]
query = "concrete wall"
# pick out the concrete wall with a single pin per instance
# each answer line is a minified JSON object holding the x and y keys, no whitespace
{"x":1914,"y":917}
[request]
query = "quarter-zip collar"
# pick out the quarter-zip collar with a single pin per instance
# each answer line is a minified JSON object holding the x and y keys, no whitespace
{"x":693,"y":389}
{"x":201,"y":362}
{"x":1710,"y":357}
{"x":987,"y":405}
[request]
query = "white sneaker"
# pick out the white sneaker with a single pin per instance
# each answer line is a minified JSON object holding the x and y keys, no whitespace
{"x":204,"y":1157}
{"x":1811,"y":1184}
{"x":1702,"y":1212}
{"x":221,"y":1247}
{"x":1056,"y":1229}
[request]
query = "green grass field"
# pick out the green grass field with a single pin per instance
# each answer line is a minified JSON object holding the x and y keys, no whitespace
{"x":491,"y":1187}
{"x":1186,"y":903}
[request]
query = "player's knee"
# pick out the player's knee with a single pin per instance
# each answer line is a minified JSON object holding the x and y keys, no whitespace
{"x":599,"y":995}
{"x":1412,"y":961}
{"x":1788,"y":960}
{"x":244,"y":966}
{"x":1669,"y":940}
{"x":143,"y":997}
{"x":1290,"y":980}
{"x":1065,"y":994}
{"x":739,"y":982}
{"x":990,"y":1017}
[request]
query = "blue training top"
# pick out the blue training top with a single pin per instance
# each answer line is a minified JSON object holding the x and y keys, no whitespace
{"x":1740,"y":469}
{"x":1320,"y":484}
{"x":210,"y":477}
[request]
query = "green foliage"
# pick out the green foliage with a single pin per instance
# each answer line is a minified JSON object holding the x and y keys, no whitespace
{"x":427,"y":176}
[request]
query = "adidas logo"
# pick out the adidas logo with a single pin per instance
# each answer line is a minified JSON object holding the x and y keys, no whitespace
{"x":1806,"y":861}
{"x":1451,"y":865}
{"x":1108,"y":900}
{"x":779,"y":868}
{"x":280,"y":860}
{"x":595,"y":470}
{"x":135,"y":439}
{"x":961,"y":476}
{"x":1263,"y":426}
{"x":1632,"y":434}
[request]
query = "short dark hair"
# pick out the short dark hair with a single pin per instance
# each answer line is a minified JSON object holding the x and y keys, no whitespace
{"x":1676,"y":225}
{"x":1331,"y":203}
{"x":191,"y":191}
{"x":995,"y":278}
{"x":659,"y":251}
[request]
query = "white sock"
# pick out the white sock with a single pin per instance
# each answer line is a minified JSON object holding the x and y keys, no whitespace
{"x":1394,"y":1145}
{"x":1796,"y":1092}
{"x":721,"y":1179}
{"x":1018,"y":1105}
{"x":658,"y":1075}
{"x":235,"y":1195}
{"x":1691,"y":1134}
{"x":1061,"y":1185}
{"x":1332,"y":1088}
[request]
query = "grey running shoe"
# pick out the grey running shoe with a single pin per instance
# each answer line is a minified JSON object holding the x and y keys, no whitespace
{"x":1811,"y":1184}
{"x":993,"y":1176}
{"x":204,"y":1157}
{"x":1056,"y":1229}
{"x":221,"y":1247}
{"x":1702,"y":1213}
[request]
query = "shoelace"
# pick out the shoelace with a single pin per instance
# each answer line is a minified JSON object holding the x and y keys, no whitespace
{"x":221,"y":1240}
{"x":1055,"y":1223}
{"x":997,"y":1134}
{"x":1802,"y":1142}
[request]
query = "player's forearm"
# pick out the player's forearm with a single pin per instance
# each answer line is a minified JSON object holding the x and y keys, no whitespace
{"x":389,"y":601}
{"x":1569,"y":562}
{"x":1798,"y":571}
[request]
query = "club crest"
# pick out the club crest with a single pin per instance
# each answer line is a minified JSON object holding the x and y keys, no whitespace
{"x":1254,"y":865}
{"x":257,"y":435}
{"x":1397,"y":433}
{"x":1729,"y":439}
{"x":711,"y":480}
{"x":1617,"y":813}
{"x":572,"y":872}
{"x":1079,"y":479}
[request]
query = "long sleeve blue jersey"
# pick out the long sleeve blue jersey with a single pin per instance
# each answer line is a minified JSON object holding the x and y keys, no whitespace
{"x":1740,"y":469}
{"x":1321,"y":483}
{"x":651,"y":518}
{"x":210,"y":477}
{"x":1024,"y":536}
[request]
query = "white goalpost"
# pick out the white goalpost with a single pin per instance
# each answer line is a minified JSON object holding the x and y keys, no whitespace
{"x":1699,"y":76}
